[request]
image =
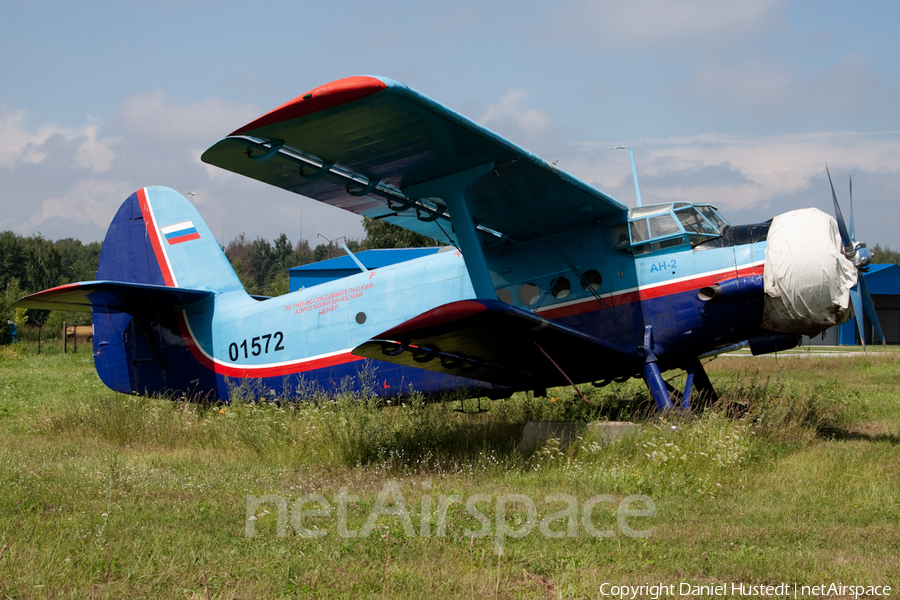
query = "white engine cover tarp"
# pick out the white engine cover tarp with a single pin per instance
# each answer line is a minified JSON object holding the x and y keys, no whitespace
{"x":807,"y":277}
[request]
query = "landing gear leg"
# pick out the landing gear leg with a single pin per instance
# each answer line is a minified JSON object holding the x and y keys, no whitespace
{"x":652,"y":375}
{"x":657,"y":385}
{"x":697,"y":379}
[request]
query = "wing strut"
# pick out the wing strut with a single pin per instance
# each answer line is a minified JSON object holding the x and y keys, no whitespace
{"x":451,"y":189}
{"x":558,"y":368}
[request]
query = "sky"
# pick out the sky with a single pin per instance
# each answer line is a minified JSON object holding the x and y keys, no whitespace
{"x":738,"y":104}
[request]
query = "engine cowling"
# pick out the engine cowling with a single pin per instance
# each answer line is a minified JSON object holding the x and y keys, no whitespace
{"x":807,"y":278}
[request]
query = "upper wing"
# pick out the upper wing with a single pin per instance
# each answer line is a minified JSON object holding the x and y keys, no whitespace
{"x":492,"y":341}
{"x":110,"y":296}
{"x":364,"y":144}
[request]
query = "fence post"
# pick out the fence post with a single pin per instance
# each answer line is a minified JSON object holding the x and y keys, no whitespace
{"x":65,"y":338}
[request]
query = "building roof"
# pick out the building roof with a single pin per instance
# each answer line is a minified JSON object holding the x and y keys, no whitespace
{"x":883,"y":279}
{"x":372,"y":259}
{"x":324,"y":271}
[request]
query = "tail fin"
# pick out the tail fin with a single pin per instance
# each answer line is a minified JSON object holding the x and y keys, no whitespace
{"x":158,"y":237}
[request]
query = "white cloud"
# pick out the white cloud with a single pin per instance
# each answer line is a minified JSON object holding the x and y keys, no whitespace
{"x":774,"y":89}
{"x":512,"y":112}
{"x":93,"y":154}
{"x":157,"y":116}
{"x":88,"y":201}
{"x":734,"y":172}
{"x":637,"y":24}
{"x":20,"y":145}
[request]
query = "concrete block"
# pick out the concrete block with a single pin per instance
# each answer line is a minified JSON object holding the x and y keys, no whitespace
{"x":536,"y":433}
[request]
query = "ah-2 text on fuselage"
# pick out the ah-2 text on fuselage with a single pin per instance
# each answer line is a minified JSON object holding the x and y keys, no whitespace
{"x":545,"y":280}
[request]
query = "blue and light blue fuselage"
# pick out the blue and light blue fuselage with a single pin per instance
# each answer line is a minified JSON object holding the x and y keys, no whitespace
{"x":302,"y":342}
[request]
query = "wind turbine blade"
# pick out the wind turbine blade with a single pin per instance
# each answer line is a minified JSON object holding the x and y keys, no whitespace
{"x":845,"y":236}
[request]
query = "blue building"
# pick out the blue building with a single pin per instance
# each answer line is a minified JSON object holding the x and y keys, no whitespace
{"x":884,"y":285}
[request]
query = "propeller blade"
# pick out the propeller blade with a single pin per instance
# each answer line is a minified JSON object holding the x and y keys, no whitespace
{"x":856,"y":299}
{"x":869,"y":305}
{"x":852,"y":234}
{"x":845,"y":236}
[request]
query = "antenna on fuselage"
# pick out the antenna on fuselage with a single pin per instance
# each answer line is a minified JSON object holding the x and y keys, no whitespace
{"x":358,"y":262}
{"x":637,"y":187}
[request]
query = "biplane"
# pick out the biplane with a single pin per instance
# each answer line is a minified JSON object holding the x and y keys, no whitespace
{"x":543,"y":280}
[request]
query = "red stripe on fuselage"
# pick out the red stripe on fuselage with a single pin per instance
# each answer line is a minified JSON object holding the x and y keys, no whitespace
{"x":647,"y":293}
{"x":299,"y":366}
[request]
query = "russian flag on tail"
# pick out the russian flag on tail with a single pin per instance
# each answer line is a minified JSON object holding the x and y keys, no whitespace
{"x":180,"y":232}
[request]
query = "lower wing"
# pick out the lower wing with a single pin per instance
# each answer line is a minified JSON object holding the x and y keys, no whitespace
{"x":498,"y":343}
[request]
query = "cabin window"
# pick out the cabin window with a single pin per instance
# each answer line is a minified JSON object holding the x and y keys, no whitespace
{"x":560,"y":287}
{"x":504,"y":296}
{"x":591,"y":280}
{"x":620,"y":236}
{"x":639,"y":231}
{"x":529,"y":294}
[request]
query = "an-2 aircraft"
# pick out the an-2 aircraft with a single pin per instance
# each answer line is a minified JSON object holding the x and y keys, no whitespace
{"x":544,"y":281}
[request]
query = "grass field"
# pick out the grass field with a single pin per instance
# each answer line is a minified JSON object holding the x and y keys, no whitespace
{"x":792,"y":478}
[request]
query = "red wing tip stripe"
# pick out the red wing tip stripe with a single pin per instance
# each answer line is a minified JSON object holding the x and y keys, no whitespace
{"x":321,"y":98}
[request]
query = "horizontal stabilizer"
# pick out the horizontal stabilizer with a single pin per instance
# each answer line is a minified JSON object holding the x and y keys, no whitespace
{"x":498,"y":343}
{"x":110,"y":296}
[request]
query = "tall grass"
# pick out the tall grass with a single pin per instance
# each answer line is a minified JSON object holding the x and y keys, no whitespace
{"x":113,"y":495}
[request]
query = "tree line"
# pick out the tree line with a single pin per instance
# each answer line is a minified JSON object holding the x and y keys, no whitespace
{"x":31,"y":264}
{"x":263,"y":266}
{"x":885,"y":256}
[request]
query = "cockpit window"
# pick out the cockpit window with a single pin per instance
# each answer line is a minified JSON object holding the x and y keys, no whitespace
{"x":663,"y":225}
{"x":713,"y":217}
{"x":693,"y":222}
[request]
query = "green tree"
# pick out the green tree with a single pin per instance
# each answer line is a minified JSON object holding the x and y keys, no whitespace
{"x":884,"y":256}
{"x":43,"y":266}
{"x":381,"y":234}
{"x":322,"y":252}
{"x":302,"y":254}
{"x":78,"y":262}
{"x":12,"y":262}
{"x":10,"y":294}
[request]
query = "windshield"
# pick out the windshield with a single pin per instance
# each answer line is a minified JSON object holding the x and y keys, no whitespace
{"x":670,"y":225}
